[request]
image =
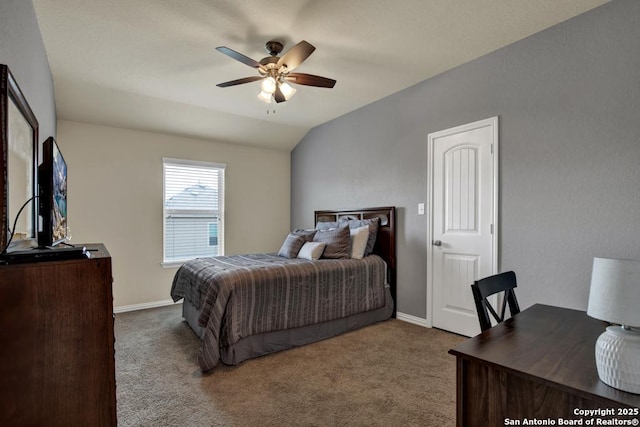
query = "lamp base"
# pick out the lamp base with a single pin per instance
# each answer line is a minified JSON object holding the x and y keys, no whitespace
{"x":618,"y":358}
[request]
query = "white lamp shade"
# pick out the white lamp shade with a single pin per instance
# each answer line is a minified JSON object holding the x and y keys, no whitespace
{"x":615,"y":291}
{"x":268,"y":85}
{"x":264,"y":96}
{"x":287,"y":90}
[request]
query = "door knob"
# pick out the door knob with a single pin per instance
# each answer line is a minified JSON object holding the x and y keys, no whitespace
{"x":436,"y":243}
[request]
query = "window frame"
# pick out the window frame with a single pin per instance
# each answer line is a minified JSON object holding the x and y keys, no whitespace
{"x":221,"y":167}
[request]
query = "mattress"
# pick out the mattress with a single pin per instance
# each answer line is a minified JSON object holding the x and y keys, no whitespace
{"x":245,"y":298}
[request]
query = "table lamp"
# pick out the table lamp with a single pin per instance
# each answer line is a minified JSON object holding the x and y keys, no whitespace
{"x":615,"y":298}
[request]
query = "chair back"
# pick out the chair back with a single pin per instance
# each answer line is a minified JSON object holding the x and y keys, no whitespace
{"x":484,"y":288}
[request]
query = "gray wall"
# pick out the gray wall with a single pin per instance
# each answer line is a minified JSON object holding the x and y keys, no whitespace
{"x":568,"y":99}
{"x":22,"y":49}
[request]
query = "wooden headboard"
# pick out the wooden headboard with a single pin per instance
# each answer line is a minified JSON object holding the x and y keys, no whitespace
{"x":385,"y":241}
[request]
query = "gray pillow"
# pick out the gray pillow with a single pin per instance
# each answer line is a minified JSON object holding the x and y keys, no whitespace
{"x":373,"y":224}
{"x":327,"y":225}
{"x":307,"y":234}
{"x":337,"y":242}
{"x":291,"y":246}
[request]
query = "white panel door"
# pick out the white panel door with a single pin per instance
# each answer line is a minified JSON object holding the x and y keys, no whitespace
{"x":463,"y":215}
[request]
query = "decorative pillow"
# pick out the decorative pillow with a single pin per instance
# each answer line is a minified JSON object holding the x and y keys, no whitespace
{"x":291,"y":246}
{"x":311,"y":250}
{"x":359,"y":239}
{"x":327,"y":225}
{"x":337,"y":241}
{"x":307,"y":234}
{"x":373,"y":224}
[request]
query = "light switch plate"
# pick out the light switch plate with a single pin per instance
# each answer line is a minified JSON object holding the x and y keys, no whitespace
{"x":420,"y":208}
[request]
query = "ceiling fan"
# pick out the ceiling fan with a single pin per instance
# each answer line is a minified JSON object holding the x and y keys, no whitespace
{"x":276,"y":72}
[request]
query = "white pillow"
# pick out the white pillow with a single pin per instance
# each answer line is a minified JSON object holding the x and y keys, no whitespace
{"x":359,"y":239}
{"x":311,"y":250}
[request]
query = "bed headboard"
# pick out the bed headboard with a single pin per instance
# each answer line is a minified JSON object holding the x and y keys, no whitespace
{"x":385,"y":241}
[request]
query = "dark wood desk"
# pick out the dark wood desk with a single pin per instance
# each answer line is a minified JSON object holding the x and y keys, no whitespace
{"x":539,"y":364}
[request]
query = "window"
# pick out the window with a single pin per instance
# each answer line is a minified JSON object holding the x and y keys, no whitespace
{"x":213,"y":234}
{"x":193,"y":210}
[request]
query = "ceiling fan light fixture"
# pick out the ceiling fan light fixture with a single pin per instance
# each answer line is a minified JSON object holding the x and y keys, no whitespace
{"x":264,"y":96}
{"x":287,"y":90}
{"x":274,"y":70}
{"x":269,"y":85}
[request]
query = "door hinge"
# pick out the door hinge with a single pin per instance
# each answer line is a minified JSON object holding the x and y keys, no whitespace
{"x":491,"y":148}
{"x":491,"y":228}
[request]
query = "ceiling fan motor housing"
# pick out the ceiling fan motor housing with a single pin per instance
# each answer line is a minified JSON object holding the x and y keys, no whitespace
{"x":274,"y":47}
{"x":270,"y":66}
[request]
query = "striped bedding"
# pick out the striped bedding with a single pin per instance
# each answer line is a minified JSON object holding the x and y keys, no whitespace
{"x":244,"y":295}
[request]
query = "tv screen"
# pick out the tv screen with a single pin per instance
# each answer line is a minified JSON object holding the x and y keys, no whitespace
{"x":52,"y":183}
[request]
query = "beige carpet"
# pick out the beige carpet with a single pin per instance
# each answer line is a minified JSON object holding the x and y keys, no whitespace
{"x":389,"y":374}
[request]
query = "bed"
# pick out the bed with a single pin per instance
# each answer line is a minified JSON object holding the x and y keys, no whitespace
{"x":245,"y":306}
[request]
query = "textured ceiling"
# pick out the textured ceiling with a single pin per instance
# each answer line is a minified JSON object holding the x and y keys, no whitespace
{"x":152,"y":64}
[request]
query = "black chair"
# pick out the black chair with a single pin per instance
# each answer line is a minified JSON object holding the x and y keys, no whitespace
{"x":484,"y":288}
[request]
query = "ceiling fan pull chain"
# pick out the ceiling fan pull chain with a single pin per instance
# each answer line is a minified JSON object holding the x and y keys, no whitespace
{"x":271,"y":106}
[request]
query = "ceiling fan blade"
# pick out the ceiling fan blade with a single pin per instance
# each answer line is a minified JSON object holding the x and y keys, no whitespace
{"x":239,"y":57}
{"x":240,"y":81}
{"x":310,"y":80}
{"x":278,"y":95}
{"x":296,"y":55}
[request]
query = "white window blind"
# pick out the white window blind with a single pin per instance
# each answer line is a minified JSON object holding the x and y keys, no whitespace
{"x":193,"y":210}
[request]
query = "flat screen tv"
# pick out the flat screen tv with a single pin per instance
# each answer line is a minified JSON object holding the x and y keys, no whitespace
{"x":52,"y":192}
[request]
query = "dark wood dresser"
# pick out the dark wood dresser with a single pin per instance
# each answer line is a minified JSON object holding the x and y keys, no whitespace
{"x":57,"y":364}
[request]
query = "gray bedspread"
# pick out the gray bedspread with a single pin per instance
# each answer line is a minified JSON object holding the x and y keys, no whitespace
{"x":244,"y":295}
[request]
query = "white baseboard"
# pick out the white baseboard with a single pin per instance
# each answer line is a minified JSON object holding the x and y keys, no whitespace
{"x":134,"y":307}
{"x":144,"y":306}
{"x":412,"y":319}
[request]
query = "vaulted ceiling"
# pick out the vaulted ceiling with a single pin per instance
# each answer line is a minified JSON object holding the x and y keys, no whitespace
{"x":152,"y":65}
